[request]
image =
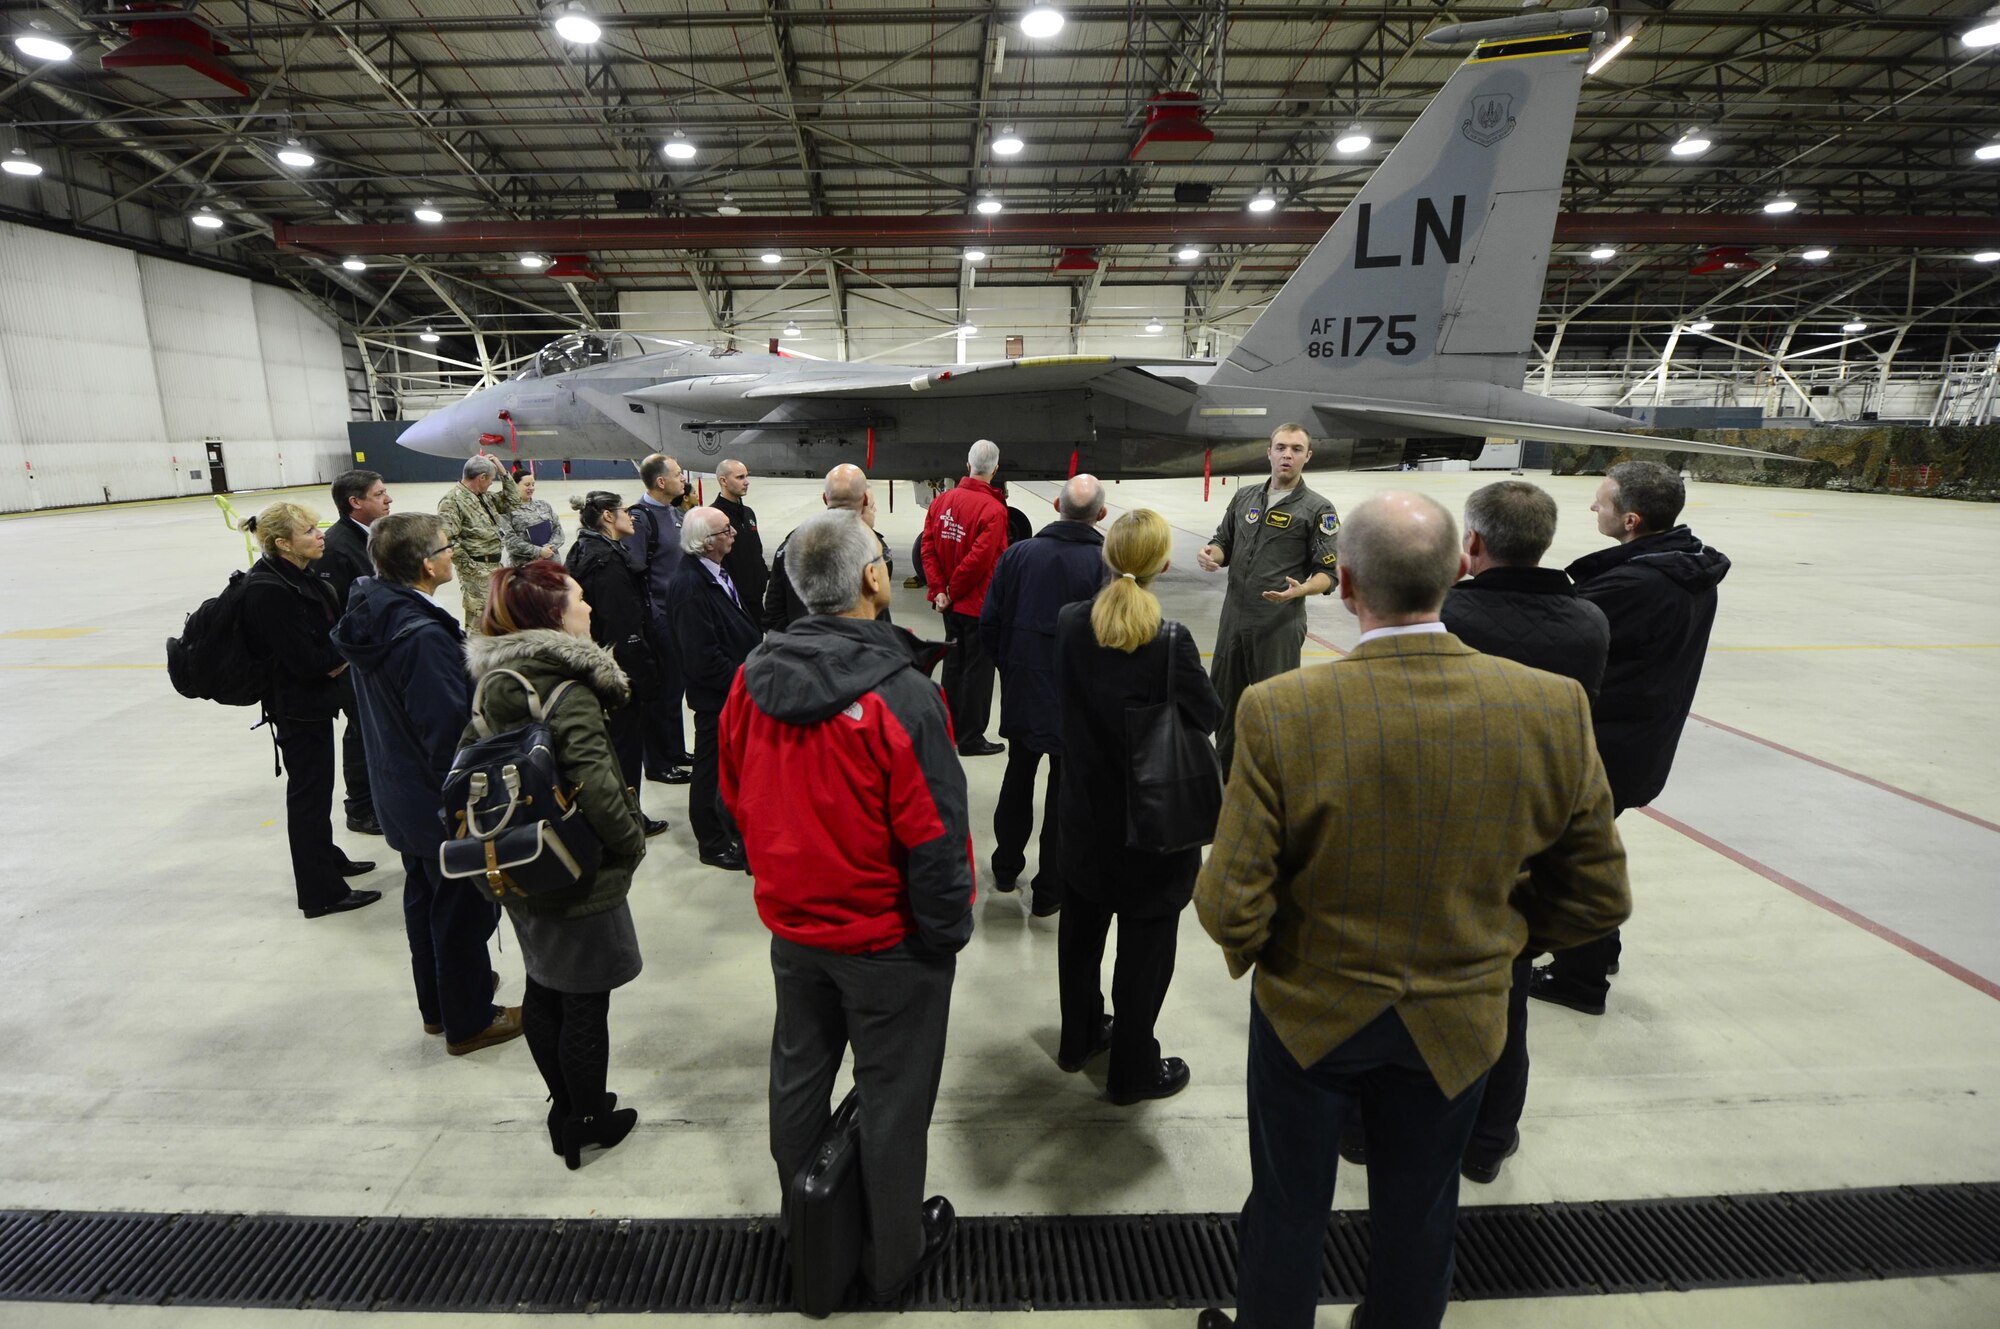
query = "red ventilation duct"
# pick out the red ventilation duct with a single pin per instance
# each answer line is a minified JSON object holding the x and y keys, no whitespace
{"x":1174,"y":131}
{"x":1724,"y":258}
{"x":176,"y":55}
{"x":1076,"y":259}
{"x":570,"y":267}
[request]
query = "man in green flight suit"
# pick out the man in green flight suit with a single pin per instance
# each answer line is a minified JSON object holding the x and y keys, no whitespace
{"x":472,"y":526}
{"x":1278,"y":541}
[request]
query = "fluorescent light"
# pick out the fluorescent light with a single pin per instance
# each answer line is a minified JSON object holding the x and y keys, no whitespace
{"x":1264,"y":202}
{"x":533,"y":261}
{"x":353,"y":265}
{"x":1778,"y":207}
{"x":989,"y":205}
{"x":1987,"y":256}
{"x":1986,"y":34}
{"x":1986,"y":152}
{"x":1603,"y":252}
{"x":20,"y":163}
{"x":1156,"y":326}
{"x":1691,"y":144}
{"x":966,"y":329}
{"x":294,"y":155}
{"x":1856,"y":326}
{"x":1042,"y":22}
{"x":427,"y":213}
{"x":428,"y":337}
{"x":1008,"y":143}
{"x":679,"y":148}
{"x":975,"y":256}
{"x":1188,"y":254}
{"x":791,"y":330}
{"x":1815,"y":255}
{"x":207,"y":220}
{"x":41,"y":48}
{"x":1353,"y":141}
{"x":772,"y":256}
{"x":1613,"y":51}
{"x":1702,"y":325}
{"x":577,"y":26}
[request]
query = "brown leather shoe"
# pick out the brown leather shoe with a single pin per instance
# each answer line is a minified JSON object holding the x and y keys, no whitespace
{"x":506,"y":1027}
{"x":435,"y":1029}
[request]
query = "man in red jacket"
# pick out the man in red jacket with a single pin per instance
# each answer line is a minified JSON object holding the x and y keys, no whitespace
{"x":965,"y":532}
{"x":837,"y":768}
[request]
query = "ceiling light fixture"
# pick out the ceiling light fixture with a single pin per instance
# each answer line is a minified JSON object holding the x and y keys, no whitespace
{"x":679,"y":148}
{"x":575,"y":24}
{"x":1856,"y":326}
{"x":1603,"y":252}
{"x":1986,"y":34}
{"x":988,"y":206}
{"x":1613,"y":51}
{"x":353,"y":265}
{"x":1815,"y":255}
{"x":40,"y":47}
{"x":426,"y":213}
{"x":966,"y":330}
{"x":1691,"y":144}
{"x":1987,"y":256}
{"x":292,"y":154}
{"x":1987,"y":152}
{"x":1041,"y":22}
{"x":1264,"y":202}
{"x":207,"y":220}
{"x":792,"y":330}
{"x":1156,"y":326}
{"x":1188,"y":254}
{"x":1702,"y":325}
{"x":18,"y":162}
{"x":975,"y":256}
{"x":1778,"y":207}
{"x":1008,"y":143}
{"x":727,"y":208}
{"x":1353,"y":141}
{"x":772,"y":256}
{"x":534,"y":261}
{"x":428,"y":336}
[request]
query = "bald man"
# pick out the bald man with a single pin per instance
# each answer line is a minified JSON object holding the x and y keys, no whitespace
{"x":746,"y":556}
{"x":1034,"y":579}
{"x":846,"y":490}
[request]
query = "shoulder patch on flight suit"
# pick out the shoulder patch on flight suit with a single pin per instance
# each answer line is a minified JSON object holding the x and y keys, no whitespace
{"x":1277,"y":518}
{"x":1329,"y":522}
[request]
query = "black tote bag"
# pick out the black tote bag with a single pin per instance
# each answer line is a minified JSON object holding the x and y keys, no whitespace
{"x":1173,"y":789}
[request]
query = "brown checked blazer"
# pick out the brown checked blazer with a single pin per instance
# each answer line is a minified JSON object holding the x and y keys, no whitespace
{"x":1398,"y":824}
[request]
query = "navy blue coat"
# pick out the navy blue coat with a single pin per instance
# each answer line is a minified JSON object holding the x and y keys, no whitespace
{"x":1017,"y":624}
{"x":413,"y":698}
{"x":714,"y":634}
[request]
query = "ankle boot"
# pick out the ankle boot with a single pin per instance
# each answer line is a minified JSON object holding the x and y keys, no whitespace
{"x":557,"y":1111}
{"x":605,"y":1131}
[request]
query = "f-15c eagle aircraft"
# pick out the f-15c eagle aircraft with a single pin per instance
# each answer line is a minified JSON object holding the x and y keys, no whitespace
{"x":1404,"y":335}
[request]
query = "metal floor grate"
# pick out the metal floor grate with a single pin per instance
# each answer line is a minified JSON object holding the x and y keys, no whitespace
{"x":1096,"y":1263}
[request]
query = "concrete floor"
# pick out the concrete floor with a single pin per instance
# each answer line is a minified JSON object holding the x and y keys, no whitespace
{"x":1810,"y":995}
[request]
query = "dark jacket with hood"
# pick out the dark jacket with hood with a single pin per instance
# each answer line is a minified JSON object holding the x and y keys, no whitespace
{"x":782,"y":606}
{"x":615,"y":590}
{"x":1658,"y":592}
{"x":1532,"y":616}
{"x":346,"y":560}
{"x":1017,"y":625}
{"x":712,"y":633}
{"x":837,"y":766}
{"x":411,"y":696}
{"x":546,"y":658}
{"x":288,"y":613}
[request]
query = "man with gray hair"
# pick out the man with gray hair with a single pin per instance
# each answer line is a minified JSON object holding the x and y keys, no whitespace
{"x":746,"y":557}
{"x":1060,"y":565}
{"x":1368,"y":867}
{"x":869,"y":898}
{"x":715,"y":632}
{"x":471,"y":517}
{"x":965,"y":532}
{"x":846,"y":490}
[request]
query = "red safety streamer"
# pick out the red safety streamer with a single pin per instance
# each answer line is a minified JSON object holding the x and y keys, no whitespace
{"x":1206,"y":455}
{"x":513,"y":440}
{"x":700,"y":499}
{"x":871,"y":447}
{"x":1072,"y":463}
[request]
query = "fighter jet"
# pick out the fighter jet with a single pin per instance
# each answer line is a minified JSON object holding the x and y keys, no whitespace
{"x":1403,"y":336}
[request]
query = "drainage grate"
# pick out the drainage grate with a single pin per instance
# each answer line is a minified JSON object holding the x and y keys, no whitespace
{"x":1093,"y":1263}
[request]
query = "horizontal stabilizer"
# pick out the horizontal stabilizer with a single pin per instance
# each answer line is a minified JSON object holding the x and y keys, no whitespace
{"x":993,"y":378}
{"x":1415,"y":422}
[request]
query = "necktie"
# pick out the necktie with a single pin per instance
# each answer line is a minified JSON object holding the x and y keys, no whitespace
{"x":722,"y":575}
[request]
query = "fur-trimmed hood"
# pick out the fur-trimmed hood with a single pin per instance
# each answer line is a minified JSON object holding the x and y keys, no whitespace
{"x":545,"y":650}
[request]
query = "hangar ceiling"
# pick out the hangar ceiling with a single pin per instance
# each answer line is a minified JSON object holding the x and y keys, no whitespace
{"x":861,"y":136}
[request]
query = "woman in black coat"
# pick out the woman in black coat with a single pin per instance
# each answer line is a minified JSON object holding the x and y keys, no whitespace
{"x":288,"y":613}
{"x":1113,"y":652}
{"x":616,"y":593}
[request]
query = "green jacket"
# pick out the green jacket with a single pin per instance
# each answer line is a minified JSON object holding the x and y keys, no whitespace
{"x":546,"y":658}
{"x":473,"y":522}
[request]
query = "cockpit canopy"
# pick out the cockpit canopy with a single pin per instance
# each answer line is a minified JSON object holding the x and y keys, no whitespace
{"x":580,"y":350}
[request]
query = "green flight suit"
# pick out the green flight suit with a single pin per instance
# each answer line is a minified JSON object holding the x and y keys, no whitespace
{"x":472,"y":525}
{"x":1263,"y":543}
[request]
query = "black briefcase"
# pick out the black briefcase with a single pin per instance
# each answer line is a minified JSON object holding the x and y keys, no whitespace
{"x":827,"y":1216}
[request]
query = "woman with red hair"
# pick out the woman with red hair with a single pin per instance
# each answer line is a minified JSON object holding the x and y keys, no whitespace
{"x":578,"y":944}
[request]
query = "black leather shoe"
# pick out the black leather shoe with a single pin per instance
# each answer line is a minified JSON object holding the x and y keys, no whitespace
{"x":360,"y":867}
{"x":1611,"y":969}
{"x":981,"y":748}
{"x":1485,"y":1170}
{"x":365,"y":825}
{"x":1214,"y":1318}
{"x":352,"y":900}
{"x":1045,"y":905}
{"x":1075,"y":1064}
{"x":940,"y":1221}
{"x":1545,"y":986}
{"x":1005,"y":882}
{"x":1171,"y":1078}
{"x":655,"y":825}
{"x":729,"y":860}
{"x":1354,"y":1149}
{"x":672,"y":775}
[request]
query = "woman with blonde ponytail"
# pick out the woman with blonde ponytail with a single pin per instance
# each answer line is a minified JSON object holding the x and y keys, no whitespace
{"x":1114,"y":652}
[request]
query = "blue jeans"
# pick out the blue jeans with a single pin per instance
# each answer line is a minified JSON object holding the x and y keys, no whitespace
{"x":1416,"y":1137}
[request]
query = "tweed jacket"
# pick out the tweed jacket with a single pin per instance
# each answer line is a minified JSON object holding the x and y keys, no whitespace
{"x":1378,"y":815}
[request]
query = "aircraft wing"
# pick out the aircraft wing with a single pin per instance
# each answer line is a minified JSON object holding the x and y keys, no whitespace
{"x":1417,"y":421}
{"x":1148,"y":383}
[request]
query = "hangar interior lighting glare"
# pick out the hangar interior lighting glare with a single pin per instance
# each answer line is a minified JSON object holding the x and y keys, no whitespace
{"x":1353,"y":141}
{"x":1778,"y":207}
{"x":679,"y":148}
{"x":1816,"y":255}
{"x":1041,"y":22}
{"x":988,"y":206}
{"x":1986,"y":34}
{"x":1856,"y":326}
{"x":533,"y":261}
{"x":1700,"y":325}
{"x":791,"y":330}
{"x":1613,"y":51}
{"x":772,"y":256}
{"x":428,"y":337}
{"x":1987,"y":152}
{"x":294,"y":155}
{"x":967,"y":330}
{"x":1987,"y":256}
{"x":207,"y":220}
{"x":727,"y":208}
{"x":1008,"y":143}
{"x":18,"y":162}
{"x":40,"y":47}
{"x":426,"y":213}
{"x":1691,"y":144}
{"x":1188,"y":254}
{"x":975,"y":256}
{"x":353,"y":265}
{"x":1603,"y":252}
{"x":1156,"y":326}
{"x":1264,"y":202}
{"x":575,"y":25}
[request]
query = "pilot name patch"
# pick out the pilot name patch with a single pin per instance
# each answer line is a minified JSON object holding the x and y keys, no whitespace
{"x":1278,"y":519}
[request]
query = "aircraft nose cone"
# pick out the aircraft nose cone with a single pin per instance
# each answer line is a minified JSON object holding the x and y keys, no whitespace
{"x":442,"y":433}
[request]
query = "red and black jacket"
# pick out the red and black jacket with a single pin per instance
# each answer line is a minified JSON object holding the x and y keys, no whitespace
{"x":965,"y":532}
{"x":838,"y":766}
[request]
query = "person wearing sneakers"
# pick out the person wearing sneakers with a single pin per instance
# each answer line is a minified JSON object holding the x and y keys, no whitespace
{"x":578,"y":944}
{"x":411,"y":700}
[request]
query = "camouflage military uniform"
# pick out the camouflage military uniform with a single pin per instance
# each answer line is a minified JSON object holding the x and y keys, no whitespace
{"x":1262,"y":543}
{"x":472,"y":524}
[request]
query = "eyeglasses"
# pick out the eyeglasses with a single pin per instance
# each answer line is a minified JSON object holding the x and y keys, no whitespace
{"x":440,"y":549}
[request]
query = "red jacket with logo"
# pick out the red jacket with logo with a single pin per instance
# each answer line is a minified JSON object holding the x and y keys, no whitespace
{"x":837,"y":764}
{"x":965,"y":532}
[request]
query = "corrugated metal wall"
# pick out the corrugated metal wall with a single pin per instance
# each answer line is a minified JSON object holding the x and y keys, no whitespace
{"x":114,"y":369}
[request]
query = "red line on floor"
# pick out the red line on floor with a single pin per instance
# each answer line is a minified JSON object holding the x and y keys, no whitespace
{"x":1832,"y":906}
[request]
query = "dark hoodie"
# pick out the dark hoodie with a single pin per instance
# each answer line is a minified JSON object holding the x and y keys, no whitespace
{"x":412,"y":696}
{"x":1658,"y":592}
{"x":838,"y":766}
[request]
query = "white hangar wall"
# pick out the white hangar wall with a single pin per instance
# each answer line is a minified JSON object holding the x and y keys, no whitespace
{"x":115,"y":367}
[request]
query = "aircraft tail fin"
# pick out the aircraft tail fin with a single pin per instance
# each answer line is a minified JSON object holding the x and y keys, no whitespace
{"x":1435,"y":271}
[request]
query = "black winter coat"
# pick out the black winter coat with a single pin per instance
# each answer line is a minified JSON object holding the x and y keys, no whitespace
{"x":1658,"y":592}
{"x":1032,"y":582}
{"x":1532,"y":616}
{"x":1095,"y":685}
{"x":745,"y":564}
{"x":288,"y":613}
{"x":413,"y":700}
{"x":615,"y":590}
{"x":782,"y":606}
{"x":346,"y":557}
{"x":714,"y":636}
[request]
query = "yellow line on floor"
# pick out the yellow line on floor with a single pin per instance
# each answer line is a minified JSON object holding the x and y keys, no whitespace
{"x":1875,"y":646}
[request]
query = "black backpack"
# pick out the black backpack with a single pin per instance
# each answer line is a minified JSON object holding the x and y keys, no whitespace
{"x":210,"y":660}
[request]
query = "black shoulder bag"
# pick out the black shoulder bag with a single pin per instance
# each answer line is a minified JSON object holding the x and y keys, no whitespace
{"x":1173,"y":787}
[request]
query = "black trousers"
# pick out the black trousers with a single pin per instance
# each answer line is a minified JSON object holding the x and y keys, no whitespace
{"x":968,"y":678}
{"x":711,"y":833}
{"x":1139,"y":979}
{"x":569,"y":1036}
{"x":1507,"y":1083}
{"x":893,"y":1007}
{"x":1014,"y":818}
{"x":307,"y":747}
{"x":360,"y":803}
{"x":1588,"y":967}
{"x":448,"y":923}
{"x":628,"y":740}
{"x":665,"y":735}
